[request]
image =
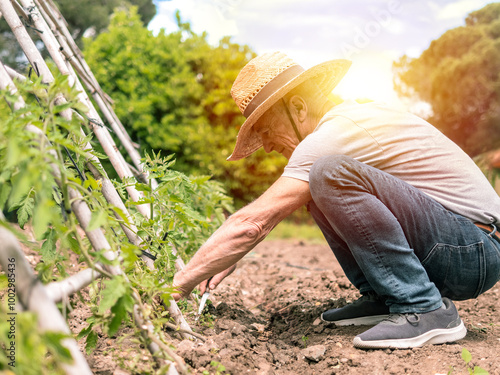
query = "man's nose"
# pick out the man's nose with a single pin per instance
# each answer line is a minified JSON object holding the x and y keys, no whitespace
{"x":267,"y":144}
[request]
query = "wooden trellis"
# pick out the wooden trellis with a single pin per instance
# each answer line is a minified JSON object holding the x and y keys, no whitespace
{"x":52,"y":29}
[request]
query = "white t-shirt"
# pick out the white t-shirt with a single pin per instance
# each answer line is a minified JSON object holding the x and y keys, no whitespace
{"x":406,"y":147}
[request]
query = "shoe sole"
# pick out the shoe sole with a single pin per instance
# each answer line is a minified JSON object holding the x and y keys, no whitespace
{"x":361,"y":321}
{"x":436,"y":336}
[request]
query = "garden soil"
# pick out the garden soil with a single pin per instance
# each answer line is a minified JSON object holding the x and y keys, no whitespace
{"x":264,"y":319}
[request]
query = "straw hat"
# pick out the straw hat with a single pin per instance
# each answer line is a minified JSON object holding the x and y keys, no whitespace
{"x":265,"y":80}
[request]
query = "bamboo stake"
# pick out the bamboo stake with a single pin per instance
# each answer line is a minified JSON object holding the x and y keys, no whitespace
{"x":157,"y":344}
{"x":59,"y":290}
{"x":32,"y":296}
{"x":112,"y":197}
{"x":13,"y":74}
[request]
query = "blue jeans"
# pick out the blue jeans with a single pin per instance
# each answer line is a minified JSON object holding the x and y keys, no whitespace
{"x":394,"y":240}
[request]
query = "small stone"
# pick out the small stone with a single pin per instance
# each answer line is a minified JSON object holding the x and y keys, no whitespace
{"x":317,"y":321}
{"x":119,"y":371}
{"x":224,"y":324}
{"x":319,"y":329}
{"x":314,"y":353}
{"x":259,"y":327}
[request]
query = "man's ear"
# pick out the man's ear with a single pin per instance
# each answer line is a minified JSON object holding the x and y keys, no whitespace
{"x":298,"y":107}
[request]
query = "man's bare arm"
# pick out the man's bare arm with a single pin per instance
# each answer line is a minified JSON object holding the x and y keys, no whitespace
{"x":242,"y":231}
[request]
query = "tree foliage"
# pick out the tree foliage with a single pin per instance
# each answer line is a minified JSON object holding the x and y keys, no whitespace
{"x":171,"y":92}
{"x":459,"y":75}
{"x":81,"y":16}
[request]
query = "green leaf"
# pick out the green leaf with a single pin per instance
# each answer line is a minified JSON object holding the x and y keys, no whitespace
{"x":142,"y":187}
{"x":12,"y":155}
{"x":98,"y":218}
{"x":5,"y":189}
{"x":73,"y":244}
{"x":466,"y":356}
{"x":91,"y":182}
{"x":80,"y":107}
{"x":25,"y":209}
{"x":91,"y":342}
{"x":185,"y":219}
{"x":21,"y":187}
{"x":48,"y":249}
{"x":200,"y":180}
{"x":115,"y":288}
{"x":175,"y":199}
{"x":76,"y":180}
{"x":129,"y":253}
{"x":84,"y":332}
{"x":121,"y":214}
{"x":61,"y":107}
{"x":142,"y":201}
{"x":53,"y":340}
{"x":4,"y":281}
{"x":480,"y":371}
{"x":124,"y":304}
{"x":42,"y":216}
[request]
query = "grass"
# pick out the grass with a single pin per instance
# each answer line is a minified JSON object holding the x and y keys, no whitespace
{"x":292,"y":231}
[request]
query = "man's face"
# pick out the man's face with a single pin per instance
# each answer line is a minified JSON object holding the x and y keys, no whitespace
{"x":276,"y":132}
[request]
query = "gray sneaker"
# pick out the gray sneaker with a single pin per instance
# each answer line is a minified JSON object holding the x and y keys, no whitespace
{"x":414,"y":330}
{"x":369,"y":309}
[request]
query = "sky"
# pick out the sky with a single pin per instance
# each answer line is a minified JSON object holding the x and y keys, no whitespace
{"x":370,"y":33}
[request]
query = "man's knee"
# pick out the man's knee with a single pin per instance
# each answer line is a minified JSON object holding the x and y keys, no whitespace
{"x":327,"y":166}
{"x":325,"y":171}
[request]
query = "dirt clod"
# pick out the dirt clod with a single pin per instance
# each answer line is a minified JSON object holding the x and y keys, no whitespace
{"x":314,"y":353}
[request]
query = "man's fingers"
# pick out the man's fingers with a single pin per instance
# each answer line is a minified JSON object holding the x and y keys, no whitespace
{"x":203,"y":286}
{"x":214,"y":281}
{"x":179,"y":292}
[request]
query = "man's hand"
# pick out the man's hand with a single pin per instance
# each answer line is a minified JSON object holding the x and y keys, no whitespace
{"x":182,"y":294}
{"x":215,"y":280}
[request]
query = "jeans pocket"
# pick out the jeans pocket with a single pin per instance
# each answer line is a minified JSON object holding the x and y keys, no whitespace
{"x":458,"y":272}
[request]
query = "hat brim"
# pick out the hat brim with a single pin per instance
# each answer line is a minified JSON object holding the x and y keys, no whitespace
{"x":327,"y":75}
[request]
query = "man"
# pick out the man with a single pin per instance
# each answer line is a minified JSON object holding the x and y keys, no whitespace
{"x":409,"y":216}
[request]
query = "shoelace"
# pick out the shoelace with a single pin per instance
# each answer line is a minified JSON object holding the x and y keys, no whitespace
{"x":395,"y":317}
